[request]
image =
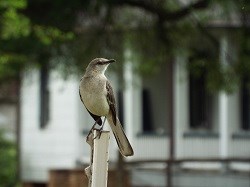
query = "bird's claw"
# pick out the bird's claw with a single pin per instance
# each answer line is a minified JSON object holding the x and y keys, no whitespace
{"x":91,"y":135}
{"x":98,"y":132}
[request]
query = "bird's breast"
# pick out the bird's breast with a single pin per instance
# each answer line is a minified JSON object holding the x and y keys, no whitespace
{"x":93,"y":92}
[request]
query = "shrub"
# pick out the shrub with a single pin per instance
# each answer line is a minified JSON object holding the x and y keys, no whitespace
{"x":8,"y":162}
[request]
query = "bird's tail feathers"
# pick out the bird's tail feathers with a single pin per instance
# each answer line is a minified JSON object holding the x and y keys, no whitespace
{"x":122,"y":141}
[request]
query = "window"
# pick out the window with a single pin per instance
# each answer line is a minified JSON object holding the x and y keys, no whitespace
{"x":147,"y":123}
{"x":200,"y":103}
{"x":156,"y":98}
{"x":245,"y":105}
{"x":44,"y":96}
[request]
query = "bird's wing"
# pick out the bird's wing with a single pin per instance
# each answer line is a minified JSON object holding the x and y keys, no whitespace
{"x":111,"y":101}
{"x":95,"y":117}
{"x":120,"y":136}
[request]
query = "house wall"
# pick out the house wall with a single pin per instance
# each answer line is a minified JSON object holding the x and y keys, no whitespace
{"x":190,"y":143}
{"x":62,"y":142}
{"x":55,"y":146}
{"x":145,"y":146}
{"x":239,"y":140}
{"x":205,"y":143}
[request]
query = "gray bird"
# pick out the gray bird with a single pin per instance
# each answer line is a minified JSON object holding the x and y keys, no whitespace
{"x":97,"y":96}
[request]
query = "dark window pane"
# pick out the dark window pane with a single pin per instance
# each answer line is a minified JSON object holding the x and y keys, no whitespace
{"x":200,"y":103}
{"x":156,"y":98}
{"x":147,"y":111}
{"x":245,"y":103}
{"x":44,"y":96}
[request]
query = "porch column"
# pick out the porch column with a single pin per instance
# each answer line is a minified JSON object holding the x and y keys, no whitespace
{"x":223,"y":104}
{"x":180,"y":86}
{"x":128,"y":94}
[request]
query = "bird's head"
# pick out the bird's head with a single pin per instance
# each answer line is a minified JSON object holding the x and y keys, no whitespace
{"x":99,"y":65}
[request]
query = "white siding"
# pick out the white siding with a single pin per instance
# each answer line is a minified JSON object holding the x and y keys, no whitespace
{"x":62,"y":143}
{"x":190,"y":146}
{"x":55,"y":146}
{"x":150,"y":147}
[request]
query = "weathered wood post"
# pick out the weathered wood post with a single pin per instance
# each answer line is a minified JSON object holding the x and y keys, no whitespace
{"x":97,"y":172}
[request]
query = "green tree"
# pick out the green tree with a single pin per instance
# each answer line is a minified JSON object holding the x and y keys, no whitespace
{"x":8,"y":162}
{"x":67,"y":34}
{"x":23,"y":42}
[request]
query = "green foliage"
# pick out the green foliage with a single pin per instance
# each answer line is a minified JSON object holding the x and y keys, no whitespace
{"x":48,"y":35}
{"x":149,"y":53}
{"x":23,"y":42}
{"x":13,"y":24}
{"x":8,"y":162}
{"x":91,"y":44}
{"x":17,"y":4}
{"x":68,"y":34}
{"x":10,"y":65}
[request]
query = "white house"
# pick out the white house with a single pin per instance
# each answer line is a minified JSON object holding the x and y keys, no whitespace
{"x":54,"y":122}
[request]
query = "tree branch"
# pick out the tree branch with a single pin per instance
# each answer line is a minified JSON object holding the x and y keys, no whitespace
{"x":163,"y":13}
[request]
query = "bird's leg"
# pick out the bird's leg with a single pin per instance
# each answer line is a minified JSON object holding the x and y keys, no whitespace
{"x":99,"y":131}
{"x":91,"y":130}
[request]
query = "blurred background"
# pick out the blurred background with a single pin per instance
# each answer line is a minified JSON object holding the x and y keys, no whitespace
{"x":181,"y":81}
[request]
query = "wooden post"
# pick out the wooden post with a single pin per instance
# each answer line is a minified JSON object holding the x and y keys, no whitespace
{"x":121,"y":172}
{"x":97,"y":172}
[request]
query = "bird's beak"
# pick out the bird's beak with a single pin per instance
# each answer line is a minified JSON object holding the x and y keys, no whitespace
{"x":110,"y":61}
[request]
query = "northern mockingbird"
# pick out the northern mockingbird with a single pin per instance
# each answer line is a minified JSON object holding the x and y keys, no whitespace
{"x":97,"y":96}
